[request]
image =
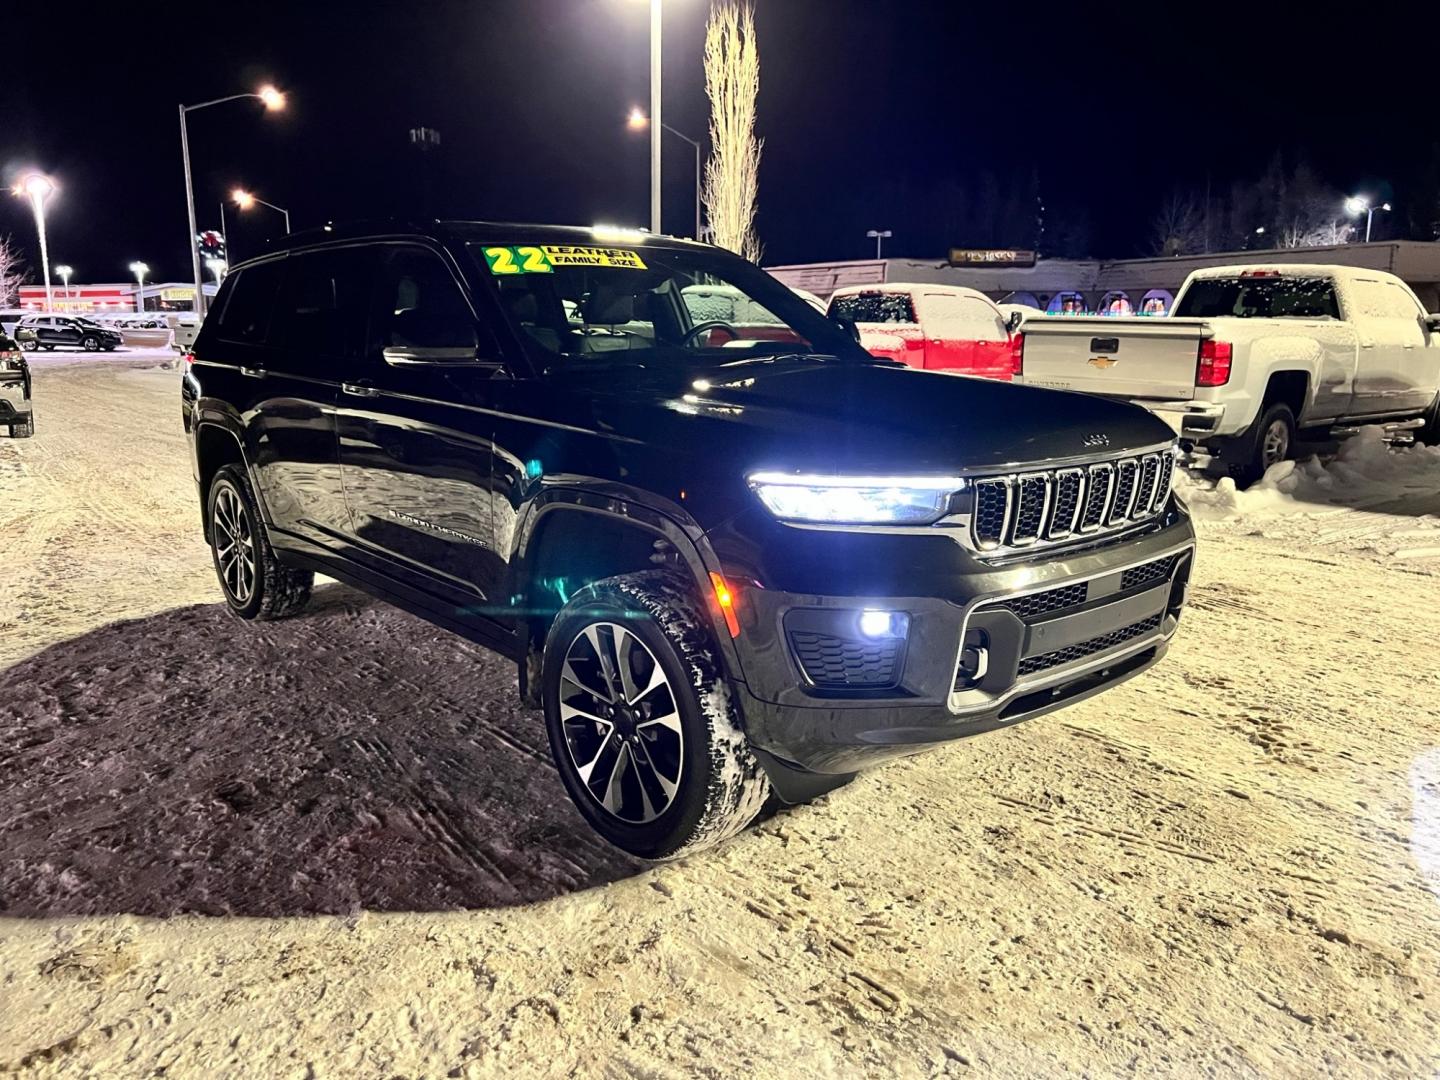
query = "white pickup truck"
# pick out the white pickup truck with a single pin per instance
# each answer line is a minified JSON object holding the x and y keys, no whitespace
{"x":1250,"y":354}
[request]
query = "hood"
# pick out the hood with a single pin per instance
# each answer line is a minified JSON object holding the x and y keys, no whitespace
{"x":831,"y":416}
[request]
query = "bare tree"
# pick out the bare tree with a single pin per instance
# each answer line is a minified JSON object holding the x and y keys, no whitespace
{"x":12,"y":273}
{"x":1179,"y":227}
{"x":732,"y":81}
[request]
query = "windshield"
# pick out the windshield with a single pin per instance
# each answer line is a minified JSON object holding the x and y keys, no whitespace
{"x":1259,"y":298}
{"x":874,"y":307}
{"x":582,"y":307}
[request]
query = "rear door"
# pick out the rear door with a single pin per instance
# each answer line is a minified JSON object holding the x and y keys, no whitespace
{"x":318,"y":328}
{"x":946,"y":346}
{"x":1396,"y":368}
{"x":415,"y":439}
{"x":984,"y":326}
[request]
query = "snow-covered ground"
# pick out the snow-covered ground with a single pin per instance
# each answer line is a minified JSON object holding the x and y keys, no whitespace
{"x":332,"y":846}
{"x":1368,"y":498}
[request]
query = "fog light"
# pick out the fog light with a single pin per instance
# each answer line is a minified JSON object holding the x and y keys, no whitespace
{"x":882,"y":624}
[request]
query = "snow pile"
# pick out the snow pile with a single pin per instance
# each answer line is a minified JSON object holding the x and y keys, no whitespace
{"x":1366,"y":473}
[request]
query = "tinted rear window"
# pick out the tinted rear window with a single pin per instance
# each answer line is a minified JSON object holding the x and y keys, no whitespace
{"x":251,"y":304}
{"x":874,"y":307}
{"x":321,"y":315}
{"x":1259,"y":298}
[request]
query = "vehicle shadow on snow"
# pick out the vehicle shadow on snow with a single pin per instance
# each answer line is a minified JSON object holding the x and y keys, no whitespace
{"x":351,"y":758}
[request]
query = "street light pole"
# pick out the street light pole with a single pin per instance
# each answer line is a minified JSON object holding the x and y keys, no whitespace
{"x":38,"y":187}
{"x":656,"y":118}
{"x":244,"y":200}
{"x":272,"y":99}
{"x":65,"y":272}
{"x":879,"y":236}
{"x":139,"y":269}
{"x":1355,"y":206}
{"x":199,"y":305}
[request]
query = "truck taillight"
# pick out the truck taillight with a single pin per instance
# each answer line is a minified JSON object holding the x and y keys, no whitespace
{"x":188,"y":357}
{"x":1214,"y":366}
{"x":1017,"y":354}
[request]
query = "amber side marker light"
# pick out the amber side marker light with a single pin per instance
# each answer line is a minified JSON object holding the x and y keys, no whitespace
{"x":726,"y":600}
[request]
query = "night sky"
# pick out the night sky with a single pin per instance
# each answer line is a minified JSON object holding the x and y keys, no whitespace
{"x":868,"y":110}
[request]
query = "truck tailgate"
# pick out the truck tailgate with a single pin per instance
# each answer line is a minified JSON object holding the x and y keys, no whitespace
{"x":1129,"y":358}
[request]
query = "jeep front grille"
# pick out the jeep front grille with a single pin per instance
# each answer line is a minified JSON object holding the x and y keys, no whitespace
{"x":1025,"y":509}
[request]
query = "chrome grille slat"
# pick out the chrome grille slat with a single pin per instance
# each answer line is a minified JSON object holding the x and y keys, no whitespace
{"x":1040,"y":507}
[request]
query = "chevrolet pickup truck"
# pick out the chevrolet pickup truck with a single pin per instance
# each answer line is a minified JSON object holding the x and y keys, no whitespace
{"x":1251,"y":355}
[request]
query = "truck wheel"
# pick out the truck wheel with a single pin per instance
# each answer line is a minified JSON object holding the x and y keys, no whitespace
{"x":255,"y":583}
{"x":641,"y":724}
{"x":1269,"y":441}
{"x":1430,"y":433}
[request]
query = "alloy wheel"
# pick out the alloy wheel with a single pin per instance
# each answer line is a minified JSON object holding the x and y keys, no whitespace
{"x":1276,"y":444}
{"x":91,"y":344}
{"x":234,"y":545}
{"x":621,"y":722}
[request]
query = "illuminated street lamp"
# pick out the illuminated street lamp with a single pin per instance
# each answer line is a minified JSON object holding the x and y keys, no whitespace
{"x":879,"y":236}
{"x":37,"y":187}
{"x":638,"y":121}
{"x":63,"y":273}
{"x":245,"y":200}
{"x":1355,"y":206}
{"x":273,"y":100}
{"x":139,"y":269}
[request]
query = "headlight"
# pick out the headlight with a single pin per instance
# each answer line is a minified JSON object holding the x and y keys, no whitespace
{"x":855,"y":500}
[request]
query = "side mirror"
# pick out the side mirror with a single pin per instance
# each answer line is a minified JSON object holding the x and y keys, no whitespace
{"x":1432,"y":323}
{"x":1012,"y":323}
{"x":848,"y":325}
{"x":436,"y":356}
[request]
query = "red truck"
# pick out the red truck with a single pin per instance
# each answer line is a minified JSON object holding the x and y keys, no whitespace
{"x":935,"y":327}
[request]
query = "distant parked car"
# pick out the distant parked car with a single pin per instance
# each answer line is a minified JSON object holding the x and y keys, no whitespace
{"x":69,"y":331}
{"x":935,"y":327}
{"x":16,"y":413}
{"x":187,"y":327}
{"x":9,"y":319}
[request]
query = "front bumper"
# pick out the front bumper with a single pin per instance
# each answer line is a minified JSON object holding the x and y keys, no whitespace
{"x":1054,"y":631}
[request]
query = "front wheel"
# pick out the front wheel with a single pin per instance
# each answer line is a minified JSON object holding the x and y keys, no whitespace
{"x":642,"y":727}
{"x":90,"y":343}
{"x":255,"y":583}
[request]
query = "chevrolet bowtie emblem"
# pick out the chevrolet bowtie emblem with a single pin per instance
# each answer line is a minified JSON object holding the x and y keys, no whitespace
{"x":1102,"y":362}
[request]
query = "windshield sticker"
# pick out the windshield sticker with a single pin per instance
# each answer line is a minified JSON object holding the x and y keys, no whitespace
{"x":517,"y":260}
{"x":543,"y":260}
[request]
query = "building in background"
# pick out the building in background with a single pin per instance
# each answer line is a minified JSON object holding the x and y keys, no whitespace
{"x":1109,"y":287}
{"x":113,"y":298}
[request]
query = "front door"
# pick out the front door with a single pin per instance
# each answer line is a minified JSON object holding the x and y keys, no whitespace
{"x":415,"y":437}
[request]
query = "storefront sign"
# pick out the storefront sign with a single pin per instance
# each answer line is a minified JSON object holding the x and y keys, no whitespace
{"x":991,"y":257}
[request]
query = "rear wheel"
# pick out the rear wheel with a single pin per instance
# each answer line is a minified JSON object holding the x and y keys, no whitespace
{"x":255,"y":583}
{"x":642,"y":727}
{"x":1269,"y":441}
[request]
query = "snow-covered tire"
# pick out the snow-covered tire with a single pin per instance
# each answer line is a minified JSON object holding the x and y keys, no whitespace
{"x":686,"y":716}
{"x":1268,"y":441}
{"x":270,"y":590}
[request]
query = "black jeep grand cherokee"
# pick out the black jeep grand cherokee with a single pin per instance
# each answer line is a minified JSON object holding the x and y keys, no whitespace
{"x":730,"y":551}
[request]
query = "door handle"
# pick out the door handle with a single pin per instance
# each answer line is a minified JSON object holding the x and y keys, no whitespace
{"x":253,"y":372}
{"x":359,"y":389}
